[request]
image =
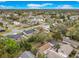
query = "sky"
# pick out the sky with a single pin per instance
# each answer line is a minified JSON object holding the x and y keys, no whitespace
{"x":39,"y":4}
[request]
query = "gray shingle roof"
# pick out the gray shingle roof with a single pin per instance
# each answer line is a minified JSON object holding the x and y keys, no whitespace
{"x":17,"y":36}
{"x":29,"y":31}
{"x":27,"y":54}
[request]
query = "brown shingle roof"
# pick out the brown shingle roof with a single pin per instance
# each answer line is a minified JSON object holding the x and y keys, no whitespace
{"x":44,"y":47}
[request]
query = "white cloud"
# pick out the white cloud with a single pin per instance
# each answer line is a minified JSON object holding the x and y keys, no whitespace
{"x":64,"y":7}
{"x":2,"y":1}
{"x":39,"y":5}
{"x":6,"y":7}
{"x":77,"y":1}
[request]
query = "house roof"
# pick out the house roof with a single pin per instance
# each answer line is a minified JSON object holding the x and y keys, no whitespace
{"x":53,"y":54}
{"x":54,"y":42}
{"x":29,"y":31}
{"x":27,"y":54}
{"x":65,"y":49}
{"x":45,"y":47}
{"x":17,"y":36}
{"x":73,"y":43}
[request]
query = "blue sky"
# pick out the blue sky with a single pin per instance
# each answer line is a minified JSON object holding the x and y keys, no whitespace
{"x":39,"y":4}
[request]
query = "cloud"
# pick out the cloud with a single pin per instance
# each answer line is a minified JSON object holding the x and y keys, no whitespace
{"x":38,"y":5}
{"x":64,"y":7}
{"x":2,"y":1}
{"x":6,"y":7}
{"x":77,"y":1}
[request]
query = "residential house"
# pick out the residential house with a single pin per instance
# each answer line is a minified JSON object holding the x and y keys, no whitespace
{"x":16,"y":23}
{"x":26,"y":54}
{"x":54,"y":42}
{"x":16,"y":36}
{"x":53,"y":54}
{"x":37,"y":19}
{"x":51,"y":51}
{"x":29,"y":32}
{"x":74,"y":17}
{"x":48,"y":50}
{"x":40,"y":18}
{"x":65,"y":50}
{"x":45,"y":47}
{"x":46,"y":27}
{"x":67,"y":40}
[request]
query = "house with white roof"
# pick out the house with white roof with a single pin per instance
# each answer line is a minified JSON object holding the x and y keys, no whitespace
{"x":67,"y":40}
{"x":16,"y":23}
{"x":63,"y":52}
{"x":74,"y":17}
{"x":46,"y":27}
{"x":50,"y":51}
{"x":65,"y":49}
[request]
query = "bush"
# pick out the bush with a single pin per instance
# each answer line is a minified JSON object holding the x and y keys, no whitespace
{"x":25,"y":45}
{"x":41,"y":55}
{"x":34,"y":51}
{"x":8,"y":47}
{"x":72,"y":54}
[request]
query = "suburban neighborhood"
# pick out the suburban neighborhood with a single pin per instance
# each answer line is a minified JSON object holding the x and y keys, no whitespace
{"x":37,"y":33}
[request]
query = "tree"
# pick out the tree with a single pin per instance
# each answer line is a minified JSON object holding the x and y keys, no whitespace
{"x":25,"y":45}
{"x":34,"y":50}
{"x":73,"y":32}
{"x":57,"y":46}
{"x":8,"y":47}
{"x":40,"y":37}
{"x":57,"y":36}
{"x":1,"y":24}
{"x":11,"y":45}
{"x":2,"y":45}
{"x":72,"y":54}
{"x":41,"y":55}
